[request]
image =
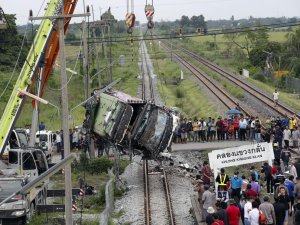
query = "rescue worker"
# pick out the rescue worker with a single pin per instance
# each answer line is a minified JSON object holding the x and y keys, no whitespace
{"x":222,"y":179}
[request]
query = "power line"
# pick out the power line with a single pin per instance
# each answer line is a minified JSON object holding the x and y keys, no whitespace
{"x":187,"y":35}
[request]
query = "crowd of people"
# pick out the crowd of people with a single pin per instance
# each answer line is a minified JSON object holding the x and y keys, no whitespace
{"x":78,"y":140}
{"x":264,"y":195}
{"x":238,"y":127}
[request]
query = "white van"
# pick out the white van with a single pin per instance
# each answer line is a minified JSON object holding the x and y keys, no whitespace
{"x":46,"y":140}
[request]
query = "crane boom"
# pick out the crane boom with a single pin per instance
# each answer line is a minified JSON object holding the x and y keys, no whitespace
{"x":45,"y":43}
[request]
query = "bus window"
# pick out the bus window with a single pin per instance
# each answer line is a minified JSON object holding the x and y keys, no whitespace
{"x":13,"y":157}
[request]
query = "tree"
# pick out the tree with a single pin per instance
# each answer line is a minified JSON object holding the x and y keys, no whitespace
{"x":259,"y":54}
{"x":10,"y":43}
{"x":249,"y":39}
{"x":185,"y":21}
{"x":198,"y":22}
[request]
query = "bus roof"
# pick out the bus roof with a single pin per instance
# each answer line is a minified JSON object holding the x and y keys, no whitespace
{"x":125,"y":97}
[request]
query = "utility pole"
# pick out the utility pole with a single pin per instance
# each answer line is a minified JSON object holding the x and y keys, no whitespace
{"x":104,"y":51}
{"x":87,"y":88}
{"x":110,"y":55}
{"x":96,"y":50}
{"x":85,"y":62}
{"x":35,"y":113}
{"x":215,"y":40}
{"x":65,"y":118}
{"x":64,"y":104}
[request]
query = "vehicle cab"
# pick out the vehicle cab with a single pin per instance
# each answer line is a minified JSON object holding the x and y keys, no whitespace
{"x":18,"y":139}
{"x":24,"y":162}
{"x":22,"y":166}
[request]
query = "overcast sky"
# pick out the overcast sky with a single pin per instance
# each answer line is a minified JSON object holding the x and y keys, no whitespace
{"x":168,"y":9}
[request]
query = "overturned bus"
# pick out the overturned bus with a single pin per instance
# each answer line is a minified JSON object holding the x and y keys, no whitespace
{"x":123,"y":119}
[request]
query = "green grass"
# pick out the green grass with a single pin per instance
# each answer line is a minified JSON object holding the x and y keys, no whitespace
{"x":278,"y":36}
{"x":49,"y":114}
{"x":96,"y":180}
{"x":57,"y":219}
{"x":285,"y":97}
{"x":191,"y":101}
{"x":185,"y":94}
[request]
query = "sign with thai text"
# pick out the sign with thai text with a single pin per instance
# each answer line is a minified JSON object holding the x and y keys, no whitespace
{"x":241,"y":155}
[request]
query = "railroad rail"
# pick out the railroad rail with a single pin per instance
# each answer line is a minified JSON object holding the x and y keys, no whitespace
{"x":218,"y":91}
{"x":147,"y":83}
{"x":255,"y":92}
{"x":147,"y":196}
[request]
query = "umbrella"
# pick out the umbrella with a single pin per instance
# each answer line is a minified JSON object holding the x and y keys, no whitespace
{"x":233,"y":111}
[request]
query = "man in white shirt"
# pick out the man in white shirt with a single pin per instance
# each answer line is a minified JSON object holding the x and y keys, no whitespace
{"x":286,"y":136}
{"x":247,"y":209}
{"x":275,"y":97}
{"x":254,"y":214}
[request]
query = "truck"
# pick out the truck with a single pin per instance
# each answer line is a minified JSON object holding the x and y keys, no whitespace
{"x":18,"y":139}
{"x":22,"y":166}
{"x":129,"y":121}
{"x":46,"y":140}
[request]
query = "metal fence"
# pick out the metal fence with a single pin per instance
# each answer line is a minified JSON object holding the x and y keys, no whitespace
{"x":109,"y":199}
{"x":293,"y":84}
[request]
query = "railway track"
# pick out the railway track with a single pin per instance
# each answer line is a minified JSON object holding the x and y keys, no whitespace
{"x":255,"y":92}
{"x":158,"y":204}
{"x":217,"y":90}
{"x":223,"y":96}
{"x":157,"y":199}
{"x":147,"y":82}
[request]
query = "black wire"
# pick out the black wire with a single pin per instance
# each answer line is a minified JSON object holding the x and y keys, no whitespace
{"x":209,"y":33}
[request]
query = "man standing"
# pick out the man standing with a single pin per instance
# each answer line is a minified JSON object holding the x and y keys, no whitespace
{"x":206,"y":173}
{"x":236,"y":184}
{"x":233,"y":213}
{"x":207,"y":201}
{"x":247,"y":209}
{"x":286,"y":136}
{"x":278,"y":136}
{"x":268,"y":176}
{"x":75,"y":138}
{"x":254,"y":214}
{"x":183,"y":131}
{"x":42,"y":126}
{"x":279,"y":209}
{"x":275,"y":97}
{"x":222,"y":214}
{"x":222,"y":179}
{"x":243,"y":126}
{"x":290,"y":185}
{"x":268,"y":210}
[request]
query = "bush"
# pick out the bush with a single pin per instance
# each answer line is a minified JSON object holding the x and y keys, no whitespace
{"x":100,"y":165}
{"x":259,"y":77}
{"x":96,"y":201}
{"x":180,"y":93}
{"x":123,"y":164}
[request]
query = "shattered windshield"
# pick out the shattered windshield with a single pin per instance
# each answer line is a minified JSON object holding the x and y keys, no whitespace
{"x":145,"y":120}
{"x":155,"y":128}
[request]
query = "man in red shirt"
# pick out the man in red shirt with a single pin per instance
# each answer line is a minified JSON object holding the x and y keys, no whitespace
{"x":236,"y":123}
{"x":233,"y":213}
{"x":216,"y":220}
{"x":250,"y":192}
{"x":206,"y":173}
